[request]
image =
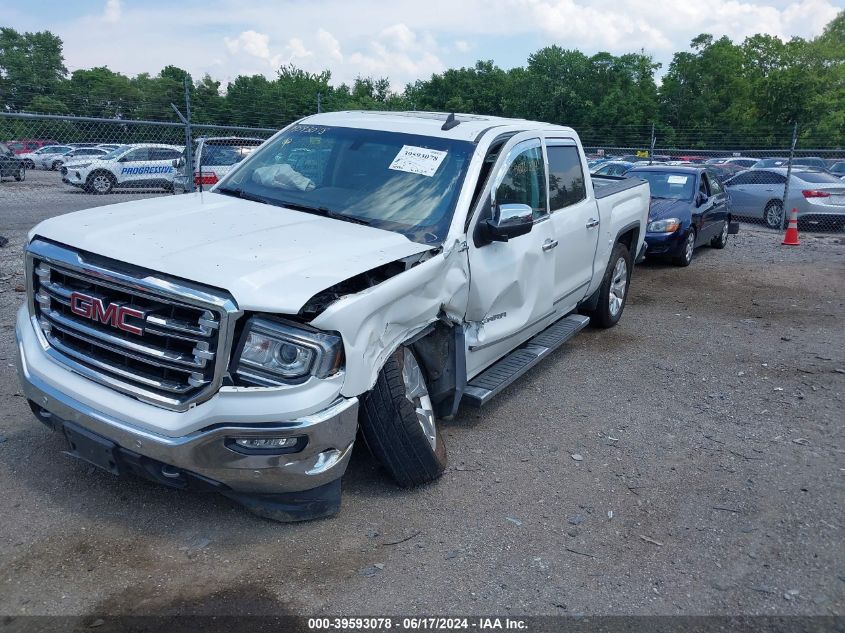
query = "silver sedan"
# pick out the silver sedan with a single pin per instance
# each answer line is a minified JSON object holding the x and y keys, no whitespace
{"x":819,"y":197}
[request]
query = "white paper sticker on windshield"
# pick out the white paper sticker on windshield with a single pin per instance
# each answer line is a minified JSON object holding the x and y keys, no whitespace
{"x":678,"y":180}
{"x":418,"y":160}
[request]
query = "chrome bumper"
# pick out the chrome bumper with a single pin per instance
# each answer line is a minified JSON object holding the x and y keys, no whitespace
{"x":329,"y":434}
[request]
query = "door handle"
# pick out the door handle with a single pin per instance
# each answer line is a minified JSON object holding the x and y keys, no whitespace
{"x":549,"y":245}
{"x":591,"y":223}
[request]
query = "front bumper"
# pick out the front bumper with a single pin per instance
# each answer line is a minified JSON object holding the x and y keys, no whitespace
{"x":320,"y":458}
{"x":665,"y":243}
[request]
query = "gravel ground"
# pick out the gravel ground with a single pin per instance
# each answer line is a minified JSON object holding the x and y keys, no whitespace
{"x":688,"y":461}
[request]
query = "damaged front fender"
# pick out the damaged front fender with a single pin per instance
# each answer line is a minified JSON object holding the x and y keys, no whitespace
{"x":377,"y":320}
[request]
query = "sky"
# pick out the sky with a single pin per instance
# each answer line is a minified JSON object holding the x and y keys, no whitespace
{"x":398,"y":39}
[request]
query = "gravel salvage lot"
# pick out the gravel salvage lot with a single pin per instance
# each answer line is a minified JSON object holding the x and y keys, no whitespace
{"x":688,"y":461}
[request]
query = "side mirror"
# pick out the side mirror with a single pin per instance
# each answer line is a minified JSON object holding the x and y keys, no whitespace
{"x":178,"y":162}
{"x":700,"y":199}
{"x":509,"y":221}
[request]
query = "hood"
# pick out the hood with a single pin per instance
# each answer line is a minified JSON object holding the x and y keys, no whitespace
{"x":269,"y":258}
{"x":662,"y":208}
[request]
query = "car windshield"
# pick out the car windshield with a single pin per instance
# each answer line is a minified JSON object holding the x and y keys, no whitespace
{"x":399,"y":182}
{"x":817,"y":177}
{"x":113,"y":154}
{"x":665,"y":184}
{"x":224,"y":153}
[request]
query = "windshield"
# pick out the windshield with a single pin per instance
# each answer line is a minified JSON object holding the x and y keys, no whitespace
{"x":113,"y":154}
{"x":399,"y":182}
{"x":664,"y":184}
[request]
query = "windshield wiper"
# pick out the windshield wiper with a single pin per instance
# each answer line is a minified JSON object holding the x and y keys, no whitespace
{"x":324,"y":212}
{"x":244,"y":195}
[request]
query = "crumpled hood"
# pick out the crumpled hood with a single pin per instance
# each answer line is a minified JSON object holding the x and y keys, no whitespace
{"x":662,"y":208}
{"x":269,"y":258}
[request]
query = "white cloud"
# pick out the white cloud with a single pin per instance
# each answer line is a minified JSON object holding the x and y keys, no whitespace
{"x":402,"y":40}
{"x":112,"y":11}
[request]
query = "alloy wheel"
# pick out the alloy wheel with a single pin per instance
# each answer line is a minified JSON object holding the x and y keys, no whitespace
{"x":618,"y":285}
{"x":417,"y":394}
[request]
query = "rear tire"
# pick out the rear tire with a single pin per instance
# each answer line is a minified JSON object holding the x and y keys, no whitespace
{"x":773,"y":214}
{"x":721,"y":240}
{"x":398,"y":424}
{"x":613,"y":292}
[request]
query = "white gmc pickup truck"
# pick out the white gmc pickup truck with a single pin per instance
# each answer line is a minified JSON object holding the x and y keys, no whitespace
{"x":359,"y":270}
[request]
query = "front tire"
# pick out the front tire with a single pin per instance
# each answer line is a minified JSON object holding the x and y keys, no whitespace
{"x":21,"y":174}
{"x":398,"y":424}
{"x":100,"y":183}
{"x":684,"y":258}
{"x":613,"y":292}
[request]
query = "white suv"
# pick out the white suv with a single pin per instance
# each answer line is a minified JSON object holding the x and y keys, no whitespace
{"x":144,"y":165}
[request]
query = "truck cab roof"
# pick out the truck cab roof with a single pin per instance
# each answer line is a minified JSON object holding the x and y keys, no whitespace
{"x":470,"y":127}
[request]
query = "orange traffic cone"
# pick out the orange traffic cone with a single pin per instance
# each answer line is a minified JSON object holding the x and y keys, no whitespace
{"x":791,"y":236}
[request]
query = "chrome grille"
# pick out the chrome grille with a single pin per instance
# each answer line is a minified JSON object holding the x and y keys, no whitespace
{"x":163,"y":341}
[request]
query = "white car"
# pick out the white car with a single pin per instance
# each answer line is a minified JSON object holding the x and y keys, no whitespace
{"x":146,"y":165}
{"x":74,"y":154}
{"x":371,"y":269}
{"x":34,"y":159}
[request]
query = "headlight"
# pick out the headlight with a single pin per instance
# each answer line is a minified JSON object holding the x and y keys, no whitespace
{"x":669,"y":225}
{"x":277,"y":352}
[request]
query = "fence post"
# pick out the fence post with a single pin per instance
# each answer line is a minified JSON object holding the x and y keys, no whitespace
{"x":319,"y":102}
{"x":189,"y":142}
{"x":651,"y":148}
{"x":789,"y":175}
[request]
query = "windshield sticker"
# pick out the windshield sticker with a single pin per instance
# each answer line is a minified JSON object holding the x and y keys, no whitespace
{"x":418,"y":160}
{"x":678,"y":180}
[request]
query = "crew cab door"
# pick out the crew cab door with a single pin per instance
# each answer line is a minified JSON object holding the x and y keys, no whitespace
{"x":511,"y":282}
{"x":575,"y":221}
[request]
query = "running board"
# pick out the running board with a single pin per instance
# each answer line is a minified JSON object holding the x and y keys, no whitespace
{"x":492,"y":380}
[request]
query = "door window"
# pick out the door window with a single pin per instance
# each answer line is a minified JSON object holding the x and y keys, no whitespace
{"x":703,"y":186}
{"x":164,"y":153}
{"x":715,"y":186}
{"x":141,"y":153}
{"x":566,"y":177}
{"x":524,"y":182}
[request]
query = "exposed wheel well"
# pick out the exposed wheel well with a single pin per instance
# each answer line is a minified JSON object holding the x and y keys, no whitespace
{"x":630,"y":238}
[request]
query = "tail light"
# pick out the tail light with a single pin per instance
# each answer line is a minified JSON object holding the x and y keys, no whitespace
{"x":815,"y":193}
{"x":205,"y":178}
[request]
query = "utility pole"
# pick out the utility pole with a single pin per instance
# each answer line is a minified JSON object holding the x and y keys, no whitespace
{"x":789,"y":174}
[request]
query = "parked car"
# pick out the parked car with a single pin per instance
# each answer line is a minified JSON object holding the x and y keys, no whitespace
{"x":739,"y":161}
{"x":147,"y":165}
{"x":56,"y":160}
{"x":765,"y":163}
{"x":236,"y":340}
{"x":214,"y":157}
{"x":811,"y":161}
{"x":612,"y":168}
{"x":837,"y":169}
{"x":691,"y":158}
{"x":25,"y":146}
{"x":818,"y":197}
{"x":689,"y":208}
{"x":10,"y":165}
{"x":33,"y":159}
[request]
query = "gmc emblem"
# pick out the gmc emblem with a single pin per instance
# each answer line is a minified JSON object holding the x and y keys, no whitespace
{"x":114,"y":314}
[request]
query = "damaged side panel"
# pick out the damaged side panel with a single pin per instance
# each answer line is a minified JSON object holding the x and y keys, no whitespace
{"x":375,"y":321}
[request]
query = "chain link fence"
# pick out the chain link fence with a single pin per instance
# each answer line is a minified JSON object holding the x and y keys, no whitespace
{"x":73,"y":162}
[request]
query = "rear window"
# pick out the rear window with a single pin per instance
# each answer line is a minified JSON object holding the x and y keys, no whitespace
{"x":818,"y":177}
